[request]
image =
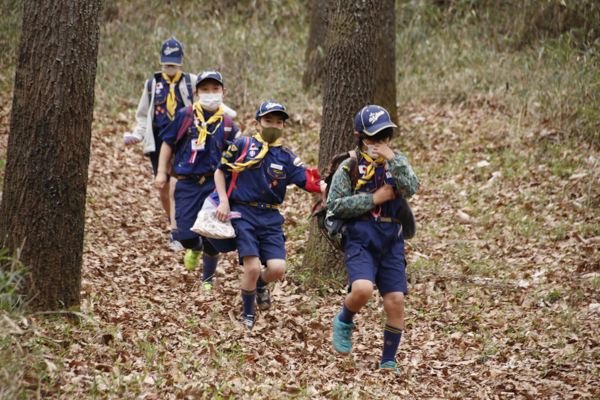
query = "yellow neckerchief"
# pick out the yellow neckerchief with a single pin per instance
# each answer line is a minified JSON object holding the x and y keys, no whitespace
{"x":171,"y":100}
{"x":202,"y":125}
{"x":239,"y":167}
{"x":370,"y":169}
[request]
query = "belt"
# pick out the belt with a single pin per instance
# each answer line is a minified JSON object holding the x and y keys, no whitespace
{"x":260,"y":204}
{"x":201,"y":178}
{"x":381,"y":219}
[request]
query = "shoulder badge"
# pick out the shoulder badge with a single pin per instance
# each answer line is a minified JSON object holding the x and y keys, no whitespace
{"x":298,"y":162}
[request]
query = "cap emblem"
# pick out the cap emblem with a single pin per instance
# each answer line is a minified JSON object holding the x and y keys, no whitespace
{"x":168,"y":50}
{"x":375,"y":116}
{"x":268,"y":106}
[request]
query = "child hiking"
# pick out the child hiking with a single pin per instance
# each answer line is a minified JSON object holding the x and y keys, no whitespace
{"x":374,"y":248}
{"x":264,"y":173}
{"x":164,"y":95}
{"x":195,"y":141}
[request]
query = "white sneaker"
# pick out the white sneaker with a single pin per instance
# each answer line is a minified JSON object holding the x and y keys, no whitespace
{"x":175,"y":245}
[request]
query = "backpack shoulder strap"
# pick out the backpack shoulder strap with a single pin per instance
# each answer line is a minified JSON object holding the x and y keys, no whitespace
{"x":228,"y":125}
{"x":149,"y":84}
{"x":353,"y":167}
{"x":187,"y":122}
{"x":188,"y":85}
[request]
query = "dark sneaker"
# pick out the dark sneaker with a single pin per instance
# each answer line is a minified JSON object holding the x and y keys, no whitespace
{"x":247,"y":320}
{"x":263,"y":301}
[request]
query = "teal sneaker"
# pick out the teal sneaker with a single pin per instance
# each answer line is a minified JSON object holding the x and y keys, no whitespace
{"x":191,"y":259}
{"x":390,"y":365}
{"x":342,"y":336}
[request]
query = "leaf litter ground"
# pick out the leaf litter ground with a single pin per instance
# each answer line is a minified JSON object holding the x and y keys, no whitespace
{"x":504,"y":276}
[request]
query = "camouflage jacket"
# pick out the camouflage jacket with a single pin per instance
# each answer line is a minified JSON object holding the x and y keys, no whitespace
{"x":344,"y":202}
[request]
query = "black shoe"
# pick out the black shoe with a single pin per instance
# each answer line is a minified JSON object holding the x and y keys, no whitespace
{"x":263,"y":300}
{"x":247,"y":320}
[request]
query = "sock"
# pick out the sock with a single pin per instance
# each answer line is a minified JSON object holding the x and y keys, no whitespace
{"x":391,"y":341}
{"x":260,"y":283}
{"x":175,"y":235}
{"x":248,"y":297}
{"x":346,"y":316}
{"x":209,"y":266}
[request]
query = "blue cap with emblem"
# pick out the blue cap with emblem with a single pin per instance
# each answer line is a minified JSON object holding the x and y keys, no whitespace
{"x":171,"y":52}
{"x":269,"y":107}
{"x":210,"y":74}
{"x":372,"y":119}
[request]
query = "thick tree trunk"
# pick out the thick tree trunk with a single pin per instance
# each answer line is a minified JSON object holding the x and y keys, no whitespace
{"x":43,"y":204}
{"x":385,"y":95}
{"x":349,"y":86}
{"x":315,"y":49}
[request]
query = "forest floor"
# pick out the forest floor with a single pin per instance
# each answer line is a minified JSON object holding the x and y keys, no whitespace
{"x":504,"y":281}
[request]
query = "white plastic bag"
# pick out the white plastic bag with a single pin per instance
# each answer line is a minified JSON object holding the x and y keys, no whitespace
{"x":207,"y":224}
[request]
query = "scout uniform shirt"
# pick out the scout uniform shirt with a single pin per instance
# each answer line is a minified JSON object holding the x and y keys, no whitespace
{"x":266,"y":180}
{"x":161,"y":120}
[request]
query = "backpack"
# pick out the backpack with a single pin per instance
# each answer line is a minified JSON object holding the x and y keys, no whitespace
{"x":185,"y":128}
{"x":334,"y":229}
{"x":158,"y":75}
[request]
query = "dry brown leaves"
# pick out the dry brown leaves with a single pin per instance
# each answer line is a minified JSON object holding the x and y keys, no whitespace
{"x":481,"y":321}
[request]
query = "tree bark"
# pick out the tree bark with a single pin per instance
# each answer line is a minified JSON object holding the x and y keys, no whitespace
{"x":350,"y":66}
{"x":43,"y":204}
{"x":385,"y":95}
{"x":315,"y":53}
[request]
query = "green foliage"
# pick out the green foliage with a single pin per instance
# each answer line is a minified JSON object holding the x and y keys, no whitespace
{"x":12,"y":282}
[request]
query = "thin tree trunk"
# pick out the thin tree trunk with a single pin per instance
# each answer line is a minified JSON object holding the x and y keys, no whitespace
{"x":315,"y":52}
{"x":349,"y":86}
{"x":385,"y":95}
{"x":43,"y":203}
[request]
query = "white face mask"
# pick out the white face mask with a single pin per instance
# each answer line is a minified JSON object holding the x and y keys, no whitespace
{"x":210,"y":101}
{"x":370,"y":150}
{"x":171,"y":70}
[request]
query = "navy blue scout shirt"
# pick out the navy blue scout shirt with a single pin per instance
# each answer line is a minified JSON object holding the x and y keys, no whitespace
{"x":160,"y":103}
{"x":205,"y":161}
{"x":266,"y":180}
{"x":382,"y":175}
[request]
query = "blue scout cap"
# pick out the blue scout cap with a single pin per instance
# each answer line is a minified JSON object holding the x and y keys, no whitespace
{"x":171,"y":52}
{"x":210,"y":74}
{"x":269,"y":107}
{"x":372,"y":119}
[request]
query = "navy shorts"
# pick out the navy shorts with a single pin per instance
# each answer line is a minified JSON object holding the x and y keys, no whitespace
{"x":375,"y":251}
{"x":189,"y":198}
{"x":258,"y":232}
{"x":155,"y":155}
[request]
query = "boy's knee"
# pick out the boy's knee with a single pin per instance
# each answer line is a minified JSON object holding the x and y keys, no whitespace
{"x":276,"y":267}
{"x":362,"y":289}
{"x":394,"y":300}
{"x":251,"y":267}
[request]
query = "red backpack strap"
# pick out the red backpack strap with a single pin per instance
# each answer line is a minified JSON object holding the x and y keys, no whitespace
{"x":234,"y":174}
{"x":228,"y":126}
{"x":187,"y":122}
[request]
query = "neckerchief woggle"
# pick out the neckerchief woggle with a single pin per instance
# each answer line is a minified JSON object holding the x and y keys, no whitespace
{"x":171,"y":100}
{"x":240,"y":166}
{"x":368,"y":175}
{"x":202,"y":125}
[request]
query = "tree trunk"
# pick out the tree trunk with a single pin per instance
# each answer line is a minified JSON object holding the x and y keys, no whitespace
{"x":349,"y":86}
{"x":385,"y":95}
{"x":315,"y":52}
{"x":43,"y":204}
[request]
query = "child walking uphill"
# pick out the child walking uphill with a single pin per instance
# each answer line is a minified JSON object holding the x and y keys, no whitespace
{"x":196,"y":139}
{"x":374,"y":250}
{"x":260,"y":188}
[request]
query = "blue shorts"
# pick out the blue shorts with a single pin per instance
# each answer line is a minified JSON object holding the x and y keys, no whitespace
{"x":258,"y":232}
{"x":189,"y":198}
{"x":155,"y":155}
{"x":375,"y":251}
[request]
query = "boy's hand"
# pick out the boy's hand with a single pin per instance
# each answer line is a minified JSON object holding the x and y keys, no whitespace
{"x":223,"y":211}
{"x":384,"y":151}
{"x":160,"y":180}
{"x":131,"y":140}
{"x":383,"y":194}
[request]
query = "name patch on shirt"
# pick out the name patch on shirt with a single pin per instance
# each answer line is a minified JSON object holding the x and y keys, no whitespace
{"x":388,"y":174}
{"x":362,"y":169}
{"x":276,"y":166}
{"x":159,"y":85}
